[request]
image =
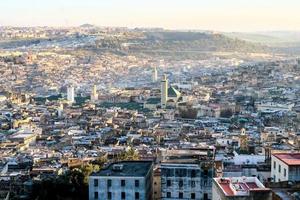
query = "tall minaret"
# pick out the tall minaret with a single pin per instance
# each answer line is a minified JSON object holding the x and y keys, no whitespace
{"x":94,"y":95}
{"x":71,"y":94}
{"x":60,"y":110}
{"x":164,"y":92}
{"x":154,"y":75}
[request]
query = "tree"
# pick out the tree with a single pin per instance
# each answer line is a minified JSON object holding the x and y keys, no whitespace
{"x":189,"y":112}
{"x":131,"y":154}
{"x":67,"y":186}
{"x":71,"y":185}
{"x":87,"y":170}
{"x":227,"y":113}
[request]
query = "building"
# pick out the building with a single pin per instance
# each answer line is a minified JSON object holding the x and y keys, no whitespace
{"x":285,"y":167}
{"x":169,"y":97}
{"x":94,"y":95}
{"x":156,"y":184}
{"x":164,"y":92}
{"x":186,"y":174}
{"x":71,"y":94}
{"x":173,"y":96}
{"x":60,"y":110}
{"x":25,"y":137}
{"x":243,"y":140}
{"x":154,"y":75}
{"x":124,"y":180}
{"x":239,"y":188}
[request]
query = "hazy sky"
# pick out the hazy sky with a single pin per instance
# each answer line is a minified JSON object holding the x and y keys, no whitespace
{"x":223,"y":15}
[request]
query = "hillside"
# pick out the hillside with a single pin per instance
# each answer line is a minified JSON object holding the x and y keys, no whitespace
{"x":195,"y":41}
{"x":145,"y":41}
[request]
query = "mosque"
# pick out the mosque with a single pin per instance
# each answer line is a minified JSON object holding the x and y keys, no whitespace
{"x":169,"y":97}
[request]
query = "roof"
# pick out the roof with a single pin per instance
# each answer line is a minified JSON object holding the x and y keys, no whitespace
{"x":172,"y":92}
{"x":240,"y":186}
{"x":129,"y":169}
{"x":288,"y":158}
{"x":153,"y":101}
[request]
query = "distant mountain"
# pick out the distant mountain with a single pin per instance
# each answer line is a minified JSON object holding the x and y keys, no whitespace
{"x":87,"y":26}
{"x":197,"y":41}
{"x":271,"y":38}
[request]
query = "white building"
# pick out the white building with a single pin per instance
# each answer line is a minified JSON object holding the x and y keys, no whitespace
{"x":285,"y":167}
{"x":270,"y":107}
{"x":164,"y":91}
{"x":71,"y":94}
{"x":94,"y":95}
{"x":186,"y":174}
{"x":124,"y":180}
{"x":60,"y":110}
{"x":154,"y":75}
{"x":239,"y":188}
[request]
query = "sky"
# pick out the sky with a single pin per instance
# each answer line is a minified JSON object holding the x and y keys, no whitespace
{"x":218,"y":15}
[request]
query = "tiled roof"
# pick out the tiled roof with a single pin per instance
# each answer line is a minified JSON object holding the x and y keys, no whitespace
{"x":289,"y":158}
{"x":172,"y":92}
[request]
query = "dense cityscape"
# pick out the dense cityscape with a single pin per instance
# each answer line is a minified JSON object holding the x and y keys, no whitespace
{"x":91,"y":112}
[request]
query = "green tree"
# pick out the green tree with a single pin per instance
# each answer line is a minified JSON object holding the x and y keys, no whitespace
{"x":131,"y":154}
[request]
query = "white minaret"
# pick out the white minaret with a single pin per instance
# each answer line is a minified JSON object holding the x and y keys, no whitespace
{"x":94,"y":95}
{"x":154,"y":75}
{"x":71,"y":94}
{"x":60,"y":110}
{"x":164,"y":92}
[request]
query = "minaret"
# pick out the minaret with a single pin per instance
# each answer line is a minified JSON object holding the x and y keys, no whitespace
{"x":60,"y":110}
{"x":94,"y":95}
{"x":70,"y":94}
{"x":154,"y":75}
{"x":243,"y":140}
{"x":164,"y":91}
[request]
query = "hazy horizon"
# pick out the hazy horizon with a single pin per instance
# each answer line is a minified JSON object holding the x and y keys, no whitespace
{"x":215,"y":15}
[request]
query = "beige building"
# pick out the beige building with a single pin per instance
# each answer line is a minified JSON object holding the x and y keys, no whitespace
{"x":285,"y":167}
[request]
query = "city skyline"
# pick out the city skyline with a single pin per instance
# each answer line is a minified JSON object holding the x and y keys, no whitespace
{"x":219,"y":15}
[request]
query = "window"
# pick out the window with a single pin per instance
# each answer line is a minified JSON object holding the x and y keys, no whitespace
{"x":193,"y":196}
{"x":284,"y":172}
{"x":137,"y":195}
{"x":169,"y":172}
{"x":95,"y":195}
{"x":122,"y":183}
{"x":137,"y":183}
{"x":274,"y":165}
{"x":168,"y":183}
{"x":193,"y":173}
{"x":109,"y":195}
{"x":180,"y":172}
{"x":193,"y":184}
{"x":108,"y":183}
{"x":205,"y":196}
{"x":279,"y":168}
{"x":123,"y":195}
{"x":95,"y":182}
{"x":180,"y":195}
{"x":168,"y":194}
{"x":180,"y":183}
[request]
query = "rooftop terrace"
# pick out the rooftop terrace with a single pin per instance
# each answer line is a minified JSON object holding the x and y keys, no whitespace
{"x":126,"y":168}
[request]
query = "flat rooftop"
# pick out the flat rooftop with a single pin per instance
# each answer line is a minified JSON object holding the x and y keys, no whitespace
{"x":288,"y":158}
{"x":239,"y":186}
{"x":129,"y":169}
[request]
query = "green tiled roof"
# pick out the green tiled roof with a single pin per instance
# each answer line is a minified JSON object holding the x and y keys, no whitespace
{"x":153,"y":101}
{"x":172,"y":92}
